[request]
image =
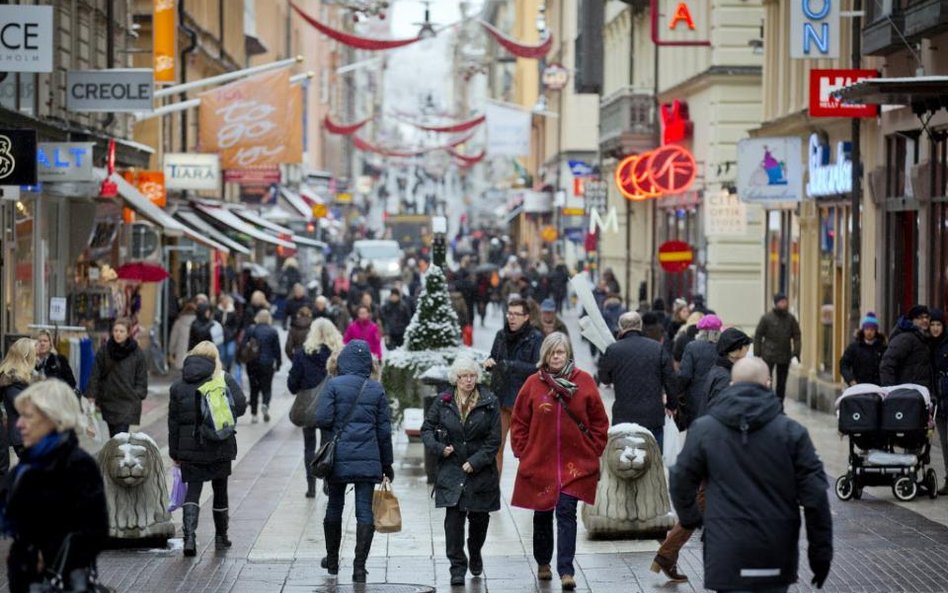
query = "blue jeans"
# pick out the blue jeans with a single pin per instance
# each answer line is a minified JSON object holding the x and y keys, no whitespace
{"x":565,"y":535}
{"x":363,"y":502}
{"x":228,"y":353}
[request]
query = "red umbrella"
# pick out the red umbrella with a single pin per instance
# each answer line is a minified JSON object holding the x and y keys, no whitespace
{"x":142,"y":272}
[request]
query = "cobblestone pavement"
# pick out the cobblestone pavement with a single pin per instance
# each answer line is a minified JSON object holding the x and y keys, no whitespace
{"x":277,"y":533}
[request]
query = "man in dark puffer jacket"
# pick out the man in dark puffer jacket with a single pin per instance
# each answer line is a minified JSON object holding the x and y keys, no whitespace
{"x":759,"y":467}
{"x":908,"y":358}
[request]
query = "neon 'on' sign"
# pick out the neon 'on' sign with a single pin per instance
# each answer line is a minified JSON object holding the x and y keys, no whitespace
{"x":810,"y":35}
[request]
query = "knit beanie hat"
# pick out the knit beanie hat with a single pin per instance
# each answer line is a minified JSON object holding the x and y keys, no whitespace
{"x":870,"y":319}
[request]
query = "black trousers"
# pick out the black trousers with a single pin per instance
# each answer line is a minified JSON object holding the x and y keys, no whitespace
{"x":220,"y":493}
{"x":261,"y":382}
{"x":454,"y":536}
{"x":781,"y":384}
{"x":114,"y":429}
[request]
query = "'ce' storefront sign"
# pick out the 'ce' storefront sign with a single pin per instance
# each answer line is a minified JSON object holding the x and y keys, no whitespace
{"x":667,"y":170}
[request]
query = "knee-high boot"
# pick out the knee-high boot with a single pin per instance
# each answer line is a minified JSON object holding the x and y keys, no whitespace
{"x":364,"y":534}
{"x":477,"y":534}
{"x":220,"y":529}
{"x":332,"y":530}
{"x":191,"y":512}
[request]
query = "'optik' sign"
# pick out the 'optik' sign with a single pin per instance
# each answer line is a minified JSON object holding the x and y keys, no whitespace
{"x":814,"y":29}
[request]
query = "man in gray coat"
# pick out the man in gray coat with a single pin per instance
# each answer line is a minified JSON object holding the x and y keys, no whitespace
{"x":777,"y":341}
{"x":641,"y":372}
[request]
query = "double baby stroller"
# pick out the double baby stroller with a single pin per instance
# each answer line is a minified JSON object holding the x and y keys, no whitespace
{"x":888,"y":430}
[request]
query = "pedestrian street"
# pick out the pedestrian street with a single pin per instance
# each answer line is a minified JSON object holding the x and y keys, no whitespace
{"x":880,"y":545}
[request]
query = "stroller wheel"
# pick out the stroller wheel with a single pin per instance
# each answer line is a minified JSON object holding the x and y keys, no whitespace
{"x":905,"y":488}
{"x":931,"y":483}
{"x":844,"y":487}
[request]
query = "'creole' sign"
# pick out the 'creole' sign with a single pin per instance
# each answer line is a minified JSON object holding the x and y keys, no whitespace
{"x":26,"y":38}
{"x":121,"y":89}
{"x":192,"y":171}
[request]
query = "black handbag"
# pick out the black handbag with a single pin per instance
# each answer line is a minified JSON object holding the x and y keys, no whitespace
{"x":326,"y":455}
{"x":303,"y":410}
{"x":79,"y":580}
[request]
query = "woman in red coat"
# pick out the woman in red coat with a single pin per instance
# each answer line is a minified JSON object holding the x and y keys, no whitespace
{"x":558,"y":432}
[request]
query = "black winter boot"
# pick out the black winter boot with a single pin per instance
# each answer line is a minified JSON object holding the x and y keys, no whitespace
{"x":191,"y":512}
{"x":333,"y":533}
{"x":364,"y":534}
{"x":944,"y":489}
{"x":477,"y":533}
{"x":220,"y":530}
{"x":310,"y":487}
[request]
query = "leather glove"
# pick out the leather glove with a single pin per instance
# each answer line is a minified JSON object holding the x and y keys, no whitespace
{"x":820,"y":570}
{"x":389,"y":472}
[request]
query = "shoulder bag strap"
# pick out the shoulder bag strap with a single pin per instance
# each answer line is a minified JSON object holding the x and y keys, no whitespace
{"x":582,"y":427}
{"x":352,"y":409}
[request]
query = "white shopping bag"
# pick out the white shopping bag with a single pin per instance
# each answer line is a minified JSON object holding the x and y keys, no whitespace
{"x":95,"y":427}
{"x":671,"y":444}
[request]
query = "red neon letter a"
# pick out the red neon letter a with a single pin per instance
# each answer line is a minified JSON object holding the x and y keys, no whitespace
{"x":682,"y":14}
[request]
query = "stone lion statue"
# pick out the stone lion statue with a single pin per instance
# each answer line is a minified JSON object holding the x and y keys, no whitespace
{"x":135,"y":487}
{"x":632,"y":495}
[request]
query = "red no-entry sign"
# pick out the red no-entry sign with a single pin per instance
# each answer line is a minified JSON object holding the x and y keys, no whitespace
{"x":675,"y":256}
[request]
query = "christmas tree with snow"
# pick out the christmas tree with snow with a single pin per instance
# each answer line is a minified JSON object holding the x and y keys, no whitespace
{"x":435,"y":322}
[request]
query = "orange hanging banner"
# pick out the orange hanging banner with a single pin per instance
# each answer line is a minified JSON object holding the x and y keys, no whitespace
{"x":247,"y":121}
{"x":164,"y":32}
{"x":151,"y":184}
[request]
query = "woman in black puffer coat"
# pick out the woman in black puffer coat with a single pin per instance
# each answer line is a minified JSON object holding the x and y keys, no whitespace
{"x":698,"y":359}
{"x":363,"y":453}
{"x":201,"y":459}
{"x":51,"y":364}
{"x":119,"y":381}
{"x":308,"y":371}
{"x":261,"y":371}
{"x":462,"y":427}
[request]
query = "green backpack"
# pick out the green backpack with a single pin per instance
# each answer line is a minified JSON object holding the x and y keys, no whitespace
{"x":216,"y":410}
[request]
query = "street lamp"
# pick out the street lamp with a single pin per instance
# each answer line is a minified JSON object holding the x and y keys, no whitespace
{"x":439,"y":245}
{"x":427,"y":28}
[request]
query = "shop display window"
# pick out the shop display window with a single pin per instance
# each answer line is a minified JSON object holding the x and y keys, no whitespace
{"x":939,"y":219}
{"x":782,"y":269}
{"x":681,"y":224}
{"x":835,"y":282}
{"x":901,"y":261}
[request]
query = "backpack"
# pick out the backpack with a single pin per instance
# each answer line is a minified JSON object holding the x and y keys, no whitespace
{"x":249,"y":350}
{"x":216,"y":410}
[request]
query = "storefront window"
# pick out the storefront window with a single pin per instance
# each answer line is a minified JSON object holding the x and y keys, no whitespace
{"x":680,"y":223}
{"x":23,"y":265}
{"x":783,"y":255}
{"x":939,"y":297}
{"x":835,"y":285}
{"x":901,"y":226}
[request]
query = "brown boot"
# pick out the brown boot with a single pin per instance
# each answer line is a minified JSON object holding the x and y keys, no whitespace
{"x":669,"y":568}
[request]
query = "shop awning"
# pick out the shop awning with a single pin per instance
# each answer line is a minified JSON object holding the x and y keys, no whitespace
{"x":922,"y":93}
{"x":197,"y":237}
{"x":138,"y":202}
{"x":228,"y":218}
{"x":193,"y":220}
{"x":254,"y":218}
{"x":296,"y":202}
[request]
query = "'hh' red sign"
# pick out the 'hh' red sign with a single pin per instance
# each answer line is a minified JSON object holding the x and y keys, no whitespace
{"x":823,"y":83}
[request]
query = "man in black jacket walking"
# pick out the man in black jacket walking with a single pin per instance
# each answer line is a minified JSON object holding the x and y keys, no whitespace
{"x":758,"y":467}
{"x":513,"y":358}
{"x":641,"y":371}
{"x":908,"y":358}
{"x":395,"y":319}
